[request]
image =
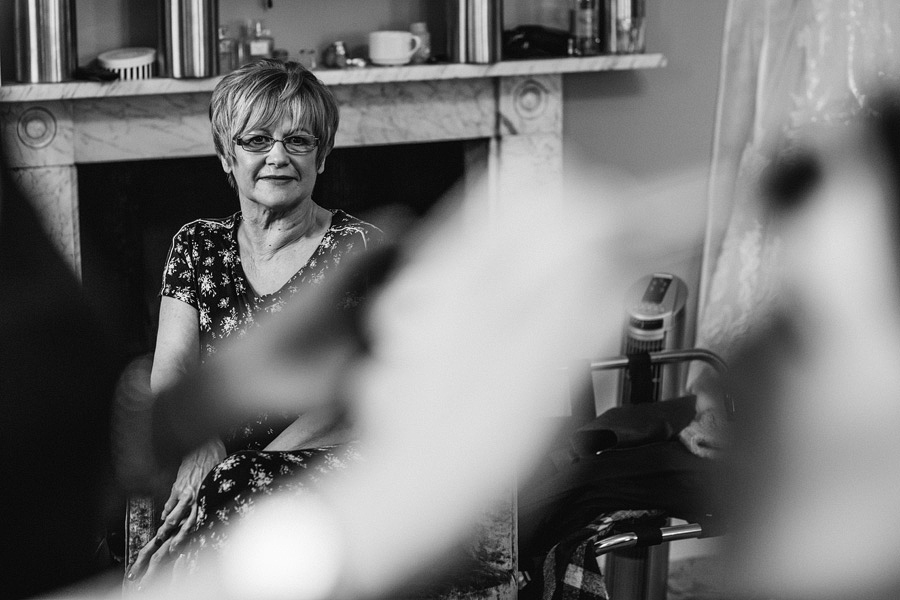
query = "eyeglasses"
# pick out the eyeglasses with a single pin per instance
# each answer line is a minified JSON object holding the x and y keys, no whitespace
{"x":293,"y":144}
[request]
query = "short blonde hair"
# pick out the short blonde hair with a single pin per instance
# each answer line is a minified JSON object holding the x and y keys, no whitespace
{"x":261,"y":94}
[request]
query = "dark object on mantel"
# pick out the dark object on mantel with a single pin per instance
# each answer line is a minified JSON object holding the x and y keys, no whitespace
{"x":94,"y":72}
{"x":535,"y":41}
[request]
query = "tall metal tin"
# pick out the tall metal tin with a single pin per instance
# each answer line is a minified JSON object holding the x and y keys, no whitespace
{"x":190,"y":38}
{"x":457,"y":30}
{"x":485,"y":31}
{"x":624,"y":24}
{"x":45,"y":44}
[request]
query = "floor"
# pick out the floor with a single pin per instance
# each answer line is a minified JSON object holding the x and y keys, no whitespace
{"x":701,"y":578}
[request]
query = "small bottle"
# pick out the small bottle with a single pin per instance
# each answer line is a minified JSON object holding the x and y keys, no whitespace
{"x":261,"y":44}
{"x":228,"y":55}
{"x":243,"y":46}
{"x":584,"y":27}
{"x":335,"y":55}
{"x":424,"y":52}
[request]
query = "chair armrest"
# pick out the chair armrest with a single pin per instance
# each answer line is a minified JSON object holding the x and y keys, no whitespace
{"x":629,"y":539}
{"x":664,"y":357}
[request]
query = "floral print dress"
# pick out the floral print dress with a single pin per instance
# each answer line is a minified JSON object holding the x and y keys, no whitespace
{"x":204,"y":270}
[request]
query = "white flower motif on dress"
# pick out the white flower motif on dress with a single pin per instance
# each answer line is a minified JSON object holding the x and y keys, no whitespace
{"x":225,"y":485}
{"x":204,"y":318}
{"x":245,"y":508}
{"x":334,"y":462}
{"x":228,"y":255}
{"x":226,"y":464}
{"x":206,"y":284}
{"x":230,"y":322}
{"x":259,"y":478}
{"x":223,"y":303}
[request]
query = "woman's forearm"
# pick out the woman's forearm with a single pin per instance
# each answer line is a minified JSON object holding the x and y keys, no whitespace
{"x":177,"y":343}
{"x":313,"y":429}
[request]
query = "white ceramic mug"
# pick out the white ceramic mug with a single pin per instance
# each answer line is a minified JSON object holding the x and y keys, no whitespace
{"x":392,"y":47}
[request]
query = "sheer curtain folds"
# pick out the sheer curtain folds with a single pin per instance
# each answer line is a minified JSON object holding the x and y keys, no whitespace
{"x":786,"y":66}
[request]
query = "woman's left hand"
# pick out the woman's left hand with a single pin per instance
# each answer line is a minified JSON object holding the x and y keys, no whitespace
{"x":179,"y":513}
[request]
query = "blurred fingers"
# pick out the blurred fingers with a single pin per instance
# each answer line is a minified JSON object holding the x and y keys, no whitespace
{"x":176,"y":517}
{"x":139,"y":568}
{"x":156,"y":565}
{"x":184,"y":531}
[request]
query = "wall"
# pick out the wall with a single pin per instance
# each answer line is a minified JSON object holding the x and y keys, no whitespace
{"x":657,"y":125}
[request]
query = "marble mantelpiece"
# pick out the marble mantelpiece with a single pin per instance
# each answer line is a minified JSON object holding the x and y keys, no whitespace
{"x":47,"y":129}
{"x":85,"y":89}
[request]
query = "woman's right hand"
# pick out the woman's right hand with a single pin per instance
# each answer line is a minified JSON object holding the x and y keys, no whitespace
{"x":179,"y":512}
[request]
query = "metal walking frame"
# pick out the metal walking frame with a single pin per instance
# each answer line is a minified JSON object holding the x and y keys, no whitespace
{"x":634,"y":574}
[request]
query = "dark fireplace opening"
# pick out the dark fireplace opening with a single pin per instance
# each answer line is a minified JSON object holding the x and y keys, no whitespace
{"x":129,"y":212}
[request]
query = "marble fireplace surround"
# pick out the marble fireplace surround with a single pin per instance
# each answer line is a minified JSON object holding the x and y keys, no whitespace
{"x":47,"y":129}
{"x":516,"y":107}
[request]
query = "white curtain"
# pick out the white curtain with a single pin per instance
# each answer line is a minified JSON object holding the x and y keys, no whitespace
{"x":786,"y":65}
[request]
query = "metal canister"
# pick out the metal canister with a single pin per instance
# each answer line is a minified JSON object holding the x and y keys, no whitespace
{"x":46,"y":49}
{"x":190,"y":29}
{"x":485,"y":31}
{"x":624,"y":24}
{"x":457,"y":30}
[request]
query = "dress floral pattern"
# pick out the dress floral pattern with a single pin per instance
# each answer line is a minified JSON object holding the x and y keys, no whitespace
{"x":204,"y":270}
{"x":233,"y":488}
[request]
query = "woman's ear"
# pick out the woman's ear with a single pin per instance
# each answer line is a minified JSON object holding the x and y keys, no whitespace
{"x":321,"y":167}
{"x":226,"y":164}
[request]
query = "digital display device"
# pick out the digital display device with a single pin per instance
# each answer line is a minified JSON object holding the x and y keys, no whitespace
{"x":657,"y":288}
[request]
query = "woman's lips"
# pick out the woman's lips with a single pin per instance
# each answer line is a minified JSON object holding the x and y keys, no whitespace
{"x":277,"y":178}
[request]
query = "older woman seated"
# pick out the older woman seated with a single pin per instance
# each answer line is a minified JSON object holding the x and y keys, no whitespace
{"x":273,"y":125}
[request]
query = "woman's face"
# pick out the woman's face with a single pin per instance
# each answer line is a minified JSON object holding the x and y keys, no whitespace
{"x":275,"y":179}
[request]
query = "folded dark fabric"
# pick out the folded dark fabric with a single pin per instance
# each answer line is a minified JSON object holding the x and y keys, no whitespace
{"x":631,"y":425}
{"x":571,"y":570}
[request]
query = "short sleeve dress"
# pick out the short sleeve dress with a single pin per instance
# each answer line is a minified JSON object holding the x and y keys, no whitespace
{"x":204,"y":270}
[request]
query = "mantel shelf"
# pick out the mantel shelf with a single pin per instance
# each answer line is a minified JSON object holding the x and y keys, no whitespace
{"x":16,"y":92}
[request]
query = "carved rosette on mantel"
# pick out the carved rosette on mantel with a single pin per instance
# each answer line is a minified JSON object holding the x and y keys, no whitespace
{"x":516,"y":107}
